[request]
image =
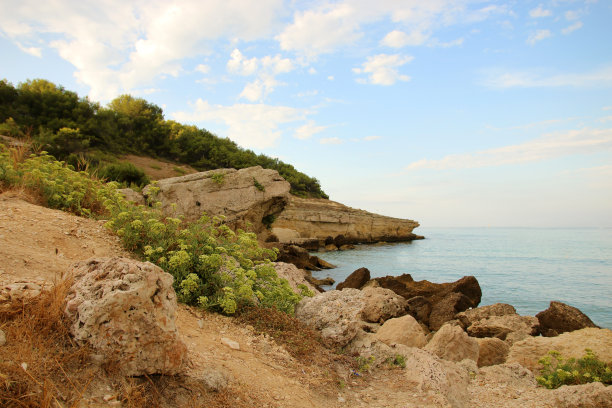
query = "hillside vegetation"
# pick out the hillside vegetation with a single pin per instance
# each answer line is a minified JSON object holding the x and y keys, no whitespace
{"x":84,"y":133}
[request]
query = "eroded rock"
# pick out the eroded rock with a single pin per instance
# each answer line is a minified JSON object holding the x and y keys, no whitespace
{"x":355,"y":280}
{"x":401,"y":330}
{"x":561,"y":318}
{"x":125,"y":309}
{"x":492,"y":351}
{"x":592,"y":395}
{"x":511,"y":328}
{"x":473,"y":315}
{"x":453,"y":344}
{"x":294,"y":276}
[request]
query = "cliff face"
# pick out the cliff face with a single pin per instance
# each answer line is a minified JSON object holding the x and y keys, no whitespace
{"x":245,"y":197}
{"x":308,"y":218}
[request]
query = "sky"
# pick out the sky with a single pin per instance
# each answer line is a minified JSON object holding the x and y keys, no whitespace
{"x":450,"y":112}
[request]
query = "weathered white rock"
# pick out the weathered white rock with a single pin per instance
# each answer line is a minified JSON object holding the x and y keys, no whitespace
{"x":232,"y":193}
{"x":592,"y":395}
{"x":483,"y":312}
{"x":402,"y":330}
{"x":2,"y":338}
{"x":572,"y":344}
{"x":429,"y":373}
{"x":294,"y":275}
{"x":453,"y":344}
{"x":125,"y":309}
{"x":492,"y":351}
{"x":20,"y":290}
{"x":511,"y":327}
{"x":341,"y":314}
{"x":234,"y":345}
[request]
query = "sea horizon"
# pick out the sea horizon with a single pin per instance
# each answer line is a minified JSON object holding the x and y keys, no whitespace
{"x":526,"y":267}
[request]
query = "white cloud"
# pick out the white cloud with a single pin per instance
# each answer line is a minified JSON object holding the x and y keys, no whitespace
{"x":330,"y":78}
{"x":118,"y":46}
{"x":203,"y":68}
{"x":572,"y":15}
{"x":312,"y":71}
{"x":605,"y":119}
{"x":539,"y":35}
{"x":371,"y":138}
{"x":539,"y":12}
{"x":240,"y":65}
{"x":257,"y":90}
{"x":399,"y":39}
{"x":382,"y":69}
{"x":249,"y":125}
{"x":570,"y":29}
{"x":583,"y":141}
{"x":606,"y":108}
{"x":331,"y":140}
{"x":308,"y":130}
{"x":599,"y":77}
{"x":34,"y":51}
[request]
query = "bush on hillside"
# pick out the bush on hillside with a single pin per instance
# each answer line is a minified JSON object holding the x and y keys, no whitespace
{"x":557,"y":371}
{"x":125,"y":173}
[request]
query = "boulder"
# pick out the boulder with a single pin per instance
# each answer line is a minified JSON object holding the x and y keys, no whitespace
{"x":342,"y":314}
{"x":511,"y":328}
{"x":572,"y":344}
{"x":244,"y":197}
{"x":125,"y":309}
{"x":446,"y":299}
{"x":381,"y":304}
{"x":560,"y":318}
{"x":133,"y":196}
{"x":401,"y":330}
{"x":419,"y":308}
{"x":453,"y":344}
{"x":472,"y":315}
{"x":356,"y":279}
{"x":301,"y":258}
{"x":429,"y":373}
{"x":294,"y":276}
{"x":592,"y":395}
{"x":492,"y":351}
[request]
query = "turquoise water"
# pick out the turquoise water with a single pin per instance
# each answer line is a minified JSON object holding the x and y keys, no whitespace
{"x":525,"y":267}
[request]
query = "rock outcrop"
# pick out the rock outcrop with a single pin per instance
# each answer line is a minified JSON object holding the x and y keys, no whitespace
{"x":592,"y":395}
{"x":355,"y":280}
{"x":401,"y":330}
{"x":527,"y":352}
{"x":334,"y":223}
{"x":295,"y":276}
{"x":511,"y":327}
{"x":248,"y":198}
{"x":125,"y":309}
{"x":342,"y":314}
{"x":483,"y":312}
{"x":560,"y":318}
{"x":453,"y":344}
{"x":444,"y":299}
{"x":492,"y":351}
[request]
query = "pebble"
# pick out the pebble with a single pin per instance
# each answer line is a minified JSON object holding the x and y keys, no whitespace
{"x":201,"y":323}
{"x":341,"y":399}
{"x":234,"y":345}
{"x":2,"y":338}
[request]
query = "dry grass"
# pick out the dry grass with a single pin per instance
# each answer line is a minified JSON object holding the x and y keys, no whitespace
{"x":39,"y":353}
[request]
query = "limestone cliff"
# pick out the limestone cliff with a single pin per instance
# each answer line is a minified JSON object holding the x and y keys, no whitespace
{"x":245,"y":197}
{"x":308,"y":218}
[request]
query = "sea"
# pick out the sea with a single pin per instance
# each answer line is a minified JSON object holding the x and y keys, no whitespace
{"x":525,"y":267}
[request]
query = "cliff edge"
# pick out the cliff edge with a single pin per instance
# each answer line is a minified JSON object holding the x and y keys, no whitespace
{"x":305,"y":219}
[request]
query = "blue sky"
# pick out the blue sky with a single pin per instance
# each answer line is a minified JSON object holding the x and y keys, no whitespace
{"x":452,"y":113}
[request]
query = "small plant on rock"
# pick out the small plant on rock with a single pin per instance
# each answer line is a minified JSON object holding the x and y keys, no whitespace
{"x":218,"y":178}
{"x":557,"y":371}
{"x":258,"y":185}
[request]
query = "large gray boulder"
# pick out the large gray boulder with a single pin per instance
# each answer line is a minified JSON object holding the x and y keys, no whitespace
{"x":340,"y":315}
{"x":244,"y":197}
{"x":125,"y":309}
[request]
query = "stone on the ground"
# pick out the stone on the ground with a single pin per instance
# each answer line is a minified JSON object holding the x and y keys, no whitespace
{"x":453,"y":344}
{"x":492,"y":351}
{"x":479,"y":313}
{"x":527,"y":352}
{"x":561,"y":318}
{"x":2,"y":338}
{"x":125,"y":309}
{"x":341,"y":314}
{"x":401,"y":330}
{"x":511,"y":327}
{"x":234,"y":345}
{"x":592,"y":395}
{"x":355,"y":280}
{"x":430,"y":374}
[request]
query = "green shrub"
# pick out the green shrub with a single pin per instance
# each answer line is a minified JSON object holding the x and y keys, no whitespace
{"x":397,"y":361}
{"x":218,"y":178}
{"x":557,"y":371}
{"x":125,"y":173}
{"x":258,"y":185}
{"x":268,"y":220}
